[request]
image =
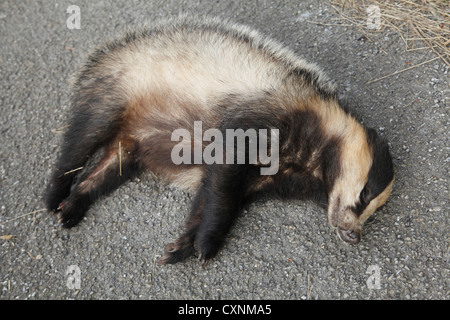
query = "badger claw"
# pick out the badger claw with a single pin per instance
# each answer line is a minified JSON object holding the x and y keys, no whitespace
{"x":204,"y":262}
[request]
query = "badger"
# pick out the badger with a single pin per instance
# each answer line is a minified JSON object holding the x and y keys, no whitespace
{"x":133,"y":93}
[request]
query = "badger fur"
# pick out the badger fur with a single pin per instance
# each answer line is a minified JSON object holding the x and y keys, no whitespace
{"x":134,"y":92}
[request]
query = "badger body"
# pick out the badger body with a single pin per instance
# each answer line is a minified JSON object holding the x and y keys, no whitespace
{"x":134,"y":92}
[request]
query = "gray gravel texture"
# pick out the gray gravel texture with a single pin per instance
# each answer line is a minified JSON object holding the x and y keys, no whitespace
{"x":277,"y":249}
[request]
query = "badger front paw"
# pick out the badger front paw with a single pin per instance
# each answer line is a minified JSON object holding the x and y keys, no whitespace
{"x":177,"y":252}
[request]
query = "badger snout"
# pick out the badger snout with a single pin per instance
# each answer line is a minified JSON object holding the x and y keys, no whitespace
{"x":350,"y":236}
{"x":348,"y":227}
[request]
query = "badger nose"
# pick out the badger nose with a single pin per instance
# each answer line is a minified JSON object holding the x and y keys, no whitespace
{"x":351,"y":236}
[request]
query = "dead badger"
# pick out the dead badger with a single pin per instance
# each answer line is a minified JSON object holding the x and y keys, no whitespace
{"x":134,"y":93}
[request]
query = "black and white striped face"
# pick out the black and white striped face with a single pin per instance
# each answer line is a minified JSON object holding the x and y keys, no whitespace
{"x":363,"y":184}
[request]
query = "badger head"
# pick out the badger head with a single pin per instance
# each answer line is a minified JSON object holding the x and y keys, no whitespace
{"x":363,"y":183}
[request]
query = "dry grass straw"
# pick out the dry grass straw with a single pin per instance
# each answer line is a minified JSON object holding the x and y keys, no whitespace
{"x":421,"y":24}
{"x":23,"y":215}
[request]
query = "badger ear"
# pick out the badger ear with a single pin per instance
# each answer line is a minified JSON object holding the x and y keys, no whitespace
{"x":379,"y":145}
{"x":372,"y":136}
{"x":382,"y":171}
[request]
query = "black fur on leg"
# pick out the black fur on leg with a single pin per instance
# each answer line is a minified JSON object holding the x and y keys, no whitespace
{"x":225,"y":187}
{"x":57,"y":190}
{"x":96,"y":119}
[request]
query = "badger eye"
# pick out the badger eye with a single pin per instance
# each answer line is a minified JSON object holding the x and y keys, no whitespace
{"x":364,"y":195}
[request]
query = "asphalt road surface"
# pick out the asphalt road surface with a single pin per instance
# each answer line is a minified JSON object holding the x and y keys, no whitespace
{"x":277,"y":249}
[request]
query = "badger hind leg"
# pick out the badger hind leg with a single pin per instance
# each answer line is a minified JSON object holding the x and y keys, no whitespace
{"x":116,"y":167}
